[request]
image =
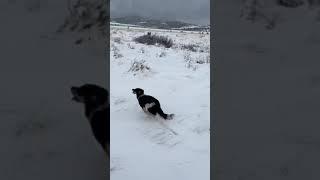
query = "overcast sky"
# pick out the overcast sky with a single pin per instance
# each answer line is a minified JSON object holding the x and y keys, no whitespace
{"x":194,"y":11}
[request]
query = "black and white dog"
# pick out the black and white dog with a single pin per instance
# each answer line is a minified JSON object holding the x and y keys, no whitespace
{"x":150,"y":104}
{"x":97,"y":110}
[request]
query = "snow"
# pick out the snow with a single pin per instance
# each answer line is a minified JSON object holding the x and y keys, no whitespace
{"x":267,"y":94}
{"x":145,"y":147}
{"x":44,"y":135}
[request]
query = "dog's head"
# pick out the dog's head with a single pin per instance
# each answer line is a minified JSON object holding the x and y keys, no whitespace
{"x":138,"y":91}
{"x":89,"y":93}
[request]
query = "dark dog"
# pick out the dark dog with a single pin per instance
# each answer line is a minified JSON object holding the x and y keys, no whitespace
{"x":150,"y":104}
{"x":97,"y":110}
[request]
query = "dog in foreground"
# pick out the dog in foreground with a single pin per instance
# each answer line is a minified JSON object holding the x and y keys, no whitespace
{"x":150,"y":104}
{"x":97,"y":110}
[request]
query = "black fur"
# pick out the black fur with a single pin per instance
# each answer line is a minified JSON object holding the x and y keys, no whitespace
{"x":97,"y":110}
{"x":146,"y":100}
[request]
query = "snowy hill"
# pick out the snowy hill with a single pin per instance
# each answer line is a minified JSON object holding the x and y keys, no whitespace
{"x":138,"y":21}
{"x":143,"y":147}
{"x":149,"y":22}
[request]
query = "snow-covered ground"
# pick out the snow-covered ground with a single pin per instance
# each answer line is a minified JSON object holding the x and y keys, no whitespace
{"x":143,"y":147}
{"x":267,"y":90}
{"x":44,"y":135}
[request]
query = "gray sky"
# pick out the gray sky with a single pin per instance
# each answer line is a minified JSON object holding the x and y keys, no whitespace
{"x":194,"y":11}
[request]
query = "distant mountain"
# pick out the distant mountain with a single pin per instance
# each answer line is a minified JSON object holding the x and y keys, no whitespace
{"x":156,"y":23}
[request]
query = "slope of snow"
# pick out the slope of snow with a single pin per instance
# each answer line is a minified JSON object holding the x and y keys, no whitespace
{"x":44,"y":135}
{"x":144,"y":147}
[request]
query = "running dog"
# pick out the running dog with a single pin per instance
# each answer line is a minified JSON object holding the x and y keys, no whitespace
{"x":150,"y":104}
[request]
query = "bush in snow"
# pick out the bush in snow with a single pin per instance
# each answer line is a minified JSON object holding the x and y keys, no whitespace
{"x":130,"y":46}
{"x":205,"y":49}
{"x":187,"y":57}
{"x":190,"y":62}
{"x":85,"y":15}
{"x":202,"y":59}
{"x":165,"y":41}
{"x":154,"y":39}
{"x":190,"y":47}
{"x":191,"y":65}
{"x":142,"y":50}
{"x":253,"y":10}
{"x":162,"y":54}
{"x":290,"y":3}
{"x":116,"y":52}
{"x":117,"y":40}
{"x":139,"y":66}
{"x":271,"y":21}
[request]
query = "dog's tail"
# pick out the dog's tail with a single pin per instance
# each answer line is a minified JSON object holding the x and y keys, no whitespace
{"x":164,"y":115}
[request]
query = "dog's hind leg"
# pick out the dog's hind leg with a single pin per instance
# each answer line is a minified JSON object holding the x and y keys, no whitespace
{"x":153,"y":110}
